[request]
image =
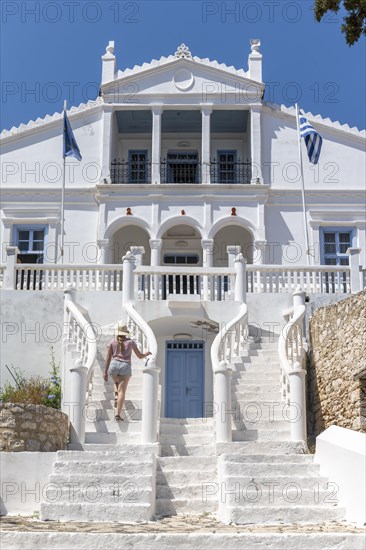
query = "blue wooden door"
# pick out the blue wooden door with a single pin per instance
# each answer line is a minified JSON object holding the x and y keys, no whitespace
{"x":184,"y":380}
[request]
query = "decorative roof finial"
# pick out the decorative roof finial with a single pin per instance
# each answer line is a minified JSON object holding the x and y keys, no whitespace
{"x":183,"y":52}
{"x":110,"y":48}
{"x":255,"y":44}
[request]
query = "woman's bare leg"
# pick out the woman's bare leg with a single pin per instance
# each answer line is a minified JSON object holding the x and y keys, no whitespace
{"x":122,"y":383}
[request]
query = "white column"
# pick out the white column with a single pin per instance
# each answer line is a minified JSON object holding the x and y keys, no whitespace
{"x":155,"y":245}
{"x":354,"y":263}
{"x":103,"y":256}
{"x":240,"y":279}
{"x":260,"y":252}
{"x":206,"y":145}
{"x":207,"y":261}
{"x":232,"y":252}
{"x":138,"y":252}
{"x":77,"y":381}
{"x":108,"y":63}
{"x":156,"y":143}
{"x":11,"y":260}
{"x":150,"y":402}
{"x":105,"y":175}
{"x":256,"y":144}
{"x":222,"y":399}
{"x":298,"y":402}
{"x":128,"y":262}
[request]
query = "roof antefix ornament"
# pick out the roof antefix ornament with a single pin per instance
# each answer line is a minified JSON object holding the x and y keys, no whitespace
{"x":183,"y":52}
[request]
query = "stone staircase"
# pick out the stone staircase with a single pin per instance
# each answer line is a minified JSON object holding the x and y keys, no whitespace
{"x":112,"y":477}
{"x":186,"y":467}
{"x":102,"y":485}
{"x":264,"y":478}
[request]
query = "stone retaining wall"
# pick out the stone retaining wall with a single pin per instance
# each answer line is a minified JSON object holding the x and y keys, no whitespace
{"x":336,"y":370}
{"x":32,"y":428}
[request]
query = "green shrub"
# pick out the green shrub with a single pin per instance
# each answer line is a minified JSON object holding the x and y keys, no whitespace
{"x":34,"y":390}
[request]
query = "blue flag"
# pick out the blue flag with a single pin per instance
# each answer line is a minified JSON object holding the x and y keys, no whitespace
{"x":313,"y":140}
{"x":71,"y":148}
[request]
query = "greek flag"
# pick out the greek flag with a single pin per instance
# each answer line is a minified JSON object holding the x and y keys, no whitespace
{"x":71,"y":148}
{"x":313,"y":140}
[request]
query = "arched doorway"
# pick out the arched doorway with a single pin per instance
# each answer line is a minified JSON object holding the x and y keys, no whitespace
{"x":126,"y":237}
{"x":232,"y":235}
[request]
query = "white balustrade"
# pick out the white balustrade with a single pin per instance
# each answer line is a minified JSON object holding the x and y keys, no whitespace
{"x":146,"y":340}
{"x":229,"y":344}
{"x":292,"y":353}
{"x":59,"y":277}
{"x":312,"y":279}
{"x":2,"y":275}
{"x":79,"y":353}
{"x":210,"y":283}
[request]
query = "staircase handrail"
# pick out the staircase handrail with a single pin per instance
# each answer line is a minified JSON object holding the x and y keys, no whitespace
{"x":87,"y":343}
{"x":145,"y":337}
{"x":222,"y":348}
{"x":292,"y":348}
{"x":150,"y":374}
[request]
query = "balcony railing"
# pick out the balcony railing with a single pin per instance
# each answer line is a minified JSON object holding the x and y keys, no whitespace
{"x":181,"y":172}
{"x":231,"y":172}
{"x":131,"y":172}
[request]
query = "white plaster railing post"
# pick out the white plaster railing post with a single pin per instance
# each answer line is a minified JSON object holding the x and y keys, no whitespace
{"x":240,"y":279}
{"x":150,"y":383}
{"x":232,"y":252}
{"x":292,"y":358}
{"x":222,"y":402}
{"x":155,"y":245}
{"x":128,"y":262}
{"x":138,"y":253}
{"x":78,"y":383}
{"x":354,"y":264}
{"x":11,"y":261}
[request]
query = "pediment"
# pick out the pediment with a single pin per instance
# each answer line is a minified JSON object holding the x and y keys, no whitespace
{"x":179,"y":79}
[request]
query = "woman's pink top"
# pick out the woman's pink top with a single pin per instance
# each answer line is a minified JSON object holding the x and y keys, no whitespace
{"x":128,"y":346}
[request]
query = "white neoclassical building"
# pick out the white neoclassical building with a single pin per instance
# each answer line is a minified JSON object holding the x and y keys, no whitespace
{"x":184,"y":219}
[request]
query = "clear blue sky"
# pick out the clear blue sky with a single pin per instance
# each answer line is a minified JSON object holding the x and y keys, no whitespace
{"x":46,"y":45}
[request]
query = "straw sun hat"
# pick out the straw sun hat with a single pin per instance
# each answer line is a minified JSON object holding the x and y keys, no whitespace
{"x":122,"y":330}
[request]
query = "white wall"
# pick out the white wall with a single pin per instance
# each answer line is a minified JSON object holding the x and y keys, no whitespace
{"x":25,"y":481}
{"x":341,"y":454}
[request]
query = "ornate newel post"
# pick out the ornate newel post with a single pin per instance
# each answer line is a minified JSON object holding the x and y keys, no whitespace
{"x":207,"y":283}
{"x":138,"y":252}
{"x":232,"y":252}
{"x":77,"y":379}
{"x":128,"y":262}
{"x":297,"y":386}
{"x":222,"y":398}
{"x":155,"y":245}
{"x":150,"y":385}
{"x":11,"y":260}
{"x":354,"y":263}
{"x":240,"y":279}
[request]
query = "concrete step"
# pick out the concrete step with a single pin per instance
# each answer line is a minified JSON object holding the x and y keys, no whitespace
{"x":261,"y":435}
{"x":262,"y":447}
{"x":105,"y":456}
{"x":193,"y":491}
{"x":113,"y":438}
{"x":260,"y":397}
{"x":100,"y":415}
{"x":271,"y":539}
{"x":105,"y":467}
{"x":111,"y":426}
{"x":103,"y":479}
{"x":184,"y":463}
{"x":186,"y":421}
{"x":291,"y":494}
{"x":267,"y":459}
{"x":180,"y":429}
{"x":98,"y":395}
{"x":80,"y":492}
{"x":255,"y":386}
{"x":131,"y":448}
{"x":283,"y":515}
{"x":185,"y":477}
{"x":131,"y":409}
{"x":187,"y":450}
{"x":168,"y":507}
{"x":251,"y":377}
{"x":270,"y":469}
{"x":260,"y":424}
{"x":206,"y":438}
{"x":118,"y":513}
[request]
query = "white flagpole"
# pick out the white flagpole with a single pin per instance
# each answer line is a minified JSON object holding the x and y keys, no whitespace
{"x":63,"y":194}
{"x":303,"y":188}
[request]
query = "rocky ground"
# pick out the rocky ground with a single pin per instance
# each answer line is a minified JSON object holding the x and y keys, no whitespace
{"x":178,"y":524}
